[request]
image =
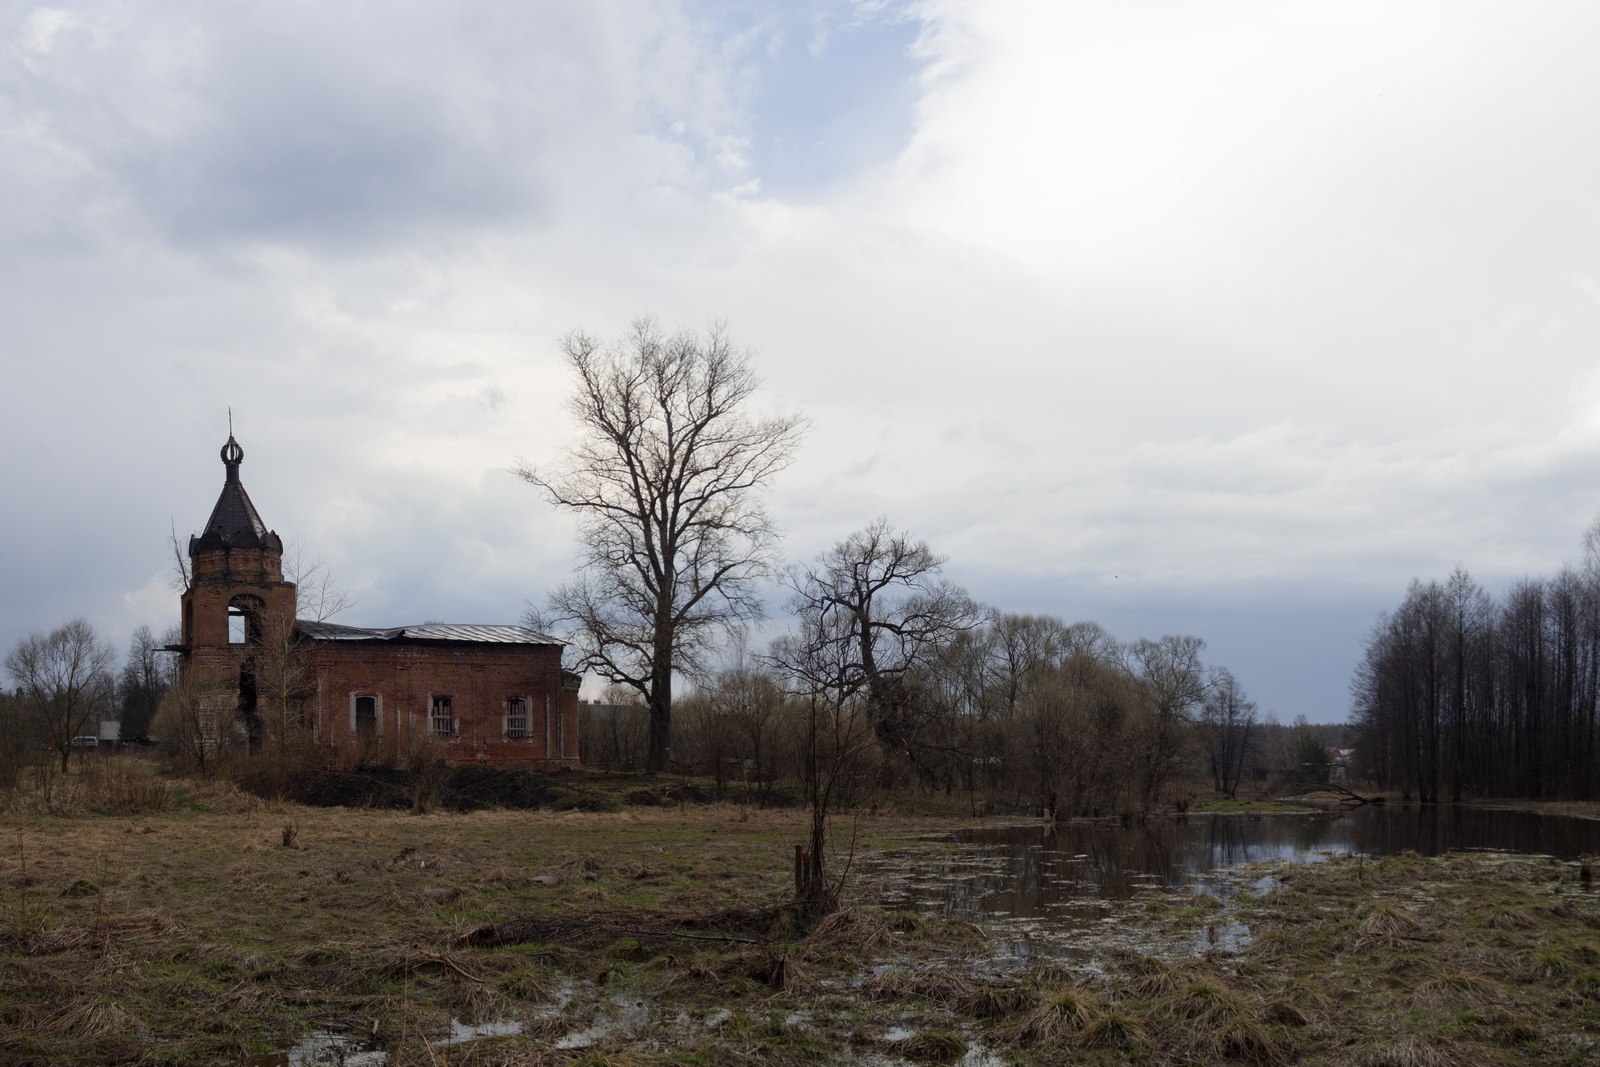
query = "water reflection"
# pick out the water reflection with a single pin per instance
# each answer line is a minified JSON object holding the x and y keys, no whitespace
{"x":1028,"y":871}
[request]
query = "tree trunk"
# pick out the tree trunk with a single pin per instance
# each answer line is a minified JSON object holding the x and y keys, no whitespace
{"x":659,"y":758}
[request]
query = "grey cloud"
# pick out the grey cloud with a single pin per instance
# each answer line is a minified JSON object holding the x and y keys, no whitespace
{"x":338,"y":127}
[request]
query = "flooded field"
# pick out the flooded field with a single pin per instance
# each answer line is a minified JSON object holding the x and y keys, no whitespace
{"x":661,"y":937}
{"x":1029,"y":871}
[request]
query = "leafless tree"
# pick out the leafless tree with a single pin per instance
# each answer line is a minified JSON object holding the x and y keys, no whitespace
{"x":181,"y":577}
{"x":281,"y":678}
{"x":614,"y":732}
{"x":890,"y":612}
{"x":319,"y":595}
{"x":198,"y":725}
{"x":817,"y":662}
{"x":64,"y":682}
{"x":667,"y":484}
{"x":1174,"y":685}
{"x":1228,"y":720}
{"x":146,"y":675}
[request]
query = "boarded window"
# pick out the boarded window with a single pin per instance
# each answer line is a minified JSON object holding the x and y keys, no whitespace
{"x":517,"y":719}
{"x":443,"y":717}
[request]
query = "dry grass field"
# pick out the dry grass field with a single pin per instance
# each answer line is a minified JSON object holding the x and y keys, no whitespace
{"x":211,"y":927}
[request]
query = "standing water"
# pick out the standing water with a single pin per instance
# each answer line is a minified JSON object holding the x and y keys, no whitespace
{"x":1028,"y":870}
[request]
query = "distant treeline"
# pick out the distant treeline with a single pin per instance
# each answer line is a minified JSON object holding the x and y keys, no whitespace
{"x":1462,"y":695}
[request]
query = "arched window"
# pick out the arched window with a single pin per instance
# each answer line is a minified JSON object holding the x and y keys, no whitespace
{"x":244,"y":619}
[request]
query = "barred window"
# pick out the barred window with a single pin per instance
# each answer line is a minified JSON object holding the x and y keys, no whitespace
{"x":443,"y":717}
{"x":517,"y":719}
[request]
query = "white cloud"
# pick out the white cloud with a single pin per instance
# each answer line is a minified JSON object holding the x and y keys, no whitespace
{"x":1199,"y":301}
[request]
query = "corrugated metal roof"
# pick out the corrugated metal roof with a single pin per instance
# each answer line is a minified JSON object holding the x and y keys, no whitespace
{"x":474,"y":633}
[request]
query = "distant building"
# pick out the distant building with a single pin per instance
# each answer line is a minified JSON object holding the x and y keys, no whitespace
{"x":489,"y":694}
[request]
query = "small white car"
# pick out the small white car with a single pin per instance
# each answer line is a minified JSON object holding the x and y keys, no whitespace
{"x":86,"y":741}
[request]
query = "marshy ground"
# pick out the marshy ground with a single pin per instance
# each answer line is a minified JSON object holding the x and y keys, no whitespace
{"x":225,"y":929}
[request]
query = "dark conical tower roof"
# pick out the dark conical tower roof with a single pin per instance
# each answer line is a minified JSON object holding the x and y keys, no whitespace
{"x":234,"y":522}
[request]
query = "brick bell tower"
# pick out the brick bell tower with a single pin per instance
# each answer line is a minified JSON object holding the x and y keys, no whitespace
{"x":237,"y":596}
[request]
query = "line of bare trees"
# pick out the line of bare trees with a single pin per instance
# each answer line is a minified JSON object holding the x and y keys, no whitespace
{"x":885,"y":657}
{"x":893,"y":676}
{"x":1462,"y":694}
{"x":66,"y":683}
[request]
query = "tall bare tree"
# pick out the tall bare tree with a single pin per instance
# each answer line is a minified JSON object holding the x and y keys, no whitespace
{"x":890,"y":612}
{"x":1228,"y":720}
{"x":64,"y":682}
{"x":667,"y":483}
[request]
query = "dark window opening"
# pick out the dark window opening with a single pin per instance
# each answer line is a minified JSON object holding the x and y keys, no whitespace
{"x":366,"y":715}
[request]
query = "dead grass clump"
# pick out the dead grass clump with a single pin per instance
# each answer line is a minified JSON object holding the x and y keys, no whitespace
{"x":1080,"y":1015}
{"x":1507,"y":919}
{"x":847,"y":928}
{"x":1514,"y":870}
{"x":1409,"y":1052}
{"x":1549,"y":962}
{"x":324,"y":954}
{"x":1510,"y":1028}
{"x":1159,"y":980}
{"x":1461,"y":990}
{"x":1307,"y":999}
{"x":777,"y":970}
{"x":946,"y":990}
{"x":1387,"y":926}
{"x":1207,"y":998}
{"x":985,"y":1000}
{"x":1585,"y":986}
{"x":932,"y":1046}
{"x":1116,"y":1029}
{"x":92,"y":1019}
{"x":1242,"y":1038}
{"x":51,"y":942}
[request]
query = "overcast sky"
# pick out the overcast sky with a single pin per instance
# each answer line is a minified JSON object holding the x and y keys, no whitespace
{"x":1225,"y":319}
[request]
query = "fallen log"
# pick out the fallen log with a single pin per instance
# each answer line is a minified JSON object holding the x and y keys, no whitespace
{"x":1346,"y":796}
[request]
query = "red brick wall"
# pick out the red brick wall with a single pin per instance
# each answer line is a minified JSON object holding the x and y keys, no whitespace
{"x":478,"y":678}
{"x":219,"y":576}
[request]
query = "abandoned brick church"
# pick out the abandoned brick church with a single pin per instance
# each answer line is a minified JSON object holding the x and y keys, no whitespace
{"x":493,"y":695}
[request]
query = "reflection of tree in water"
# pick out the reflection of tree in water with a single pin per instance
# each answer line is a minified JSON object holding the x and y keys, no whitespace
{"x":1432,"y":829}
{"x":1042,"y":872}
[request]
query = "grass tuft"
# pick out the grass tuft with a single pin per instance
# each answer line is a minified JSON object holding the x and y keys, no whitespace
{"x":1408,"y":1052}
{"x":932,"y":1046}
{"x":1074,"y":1013}
{"x":1461,"y":990}
{"x":1387,"y":926}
